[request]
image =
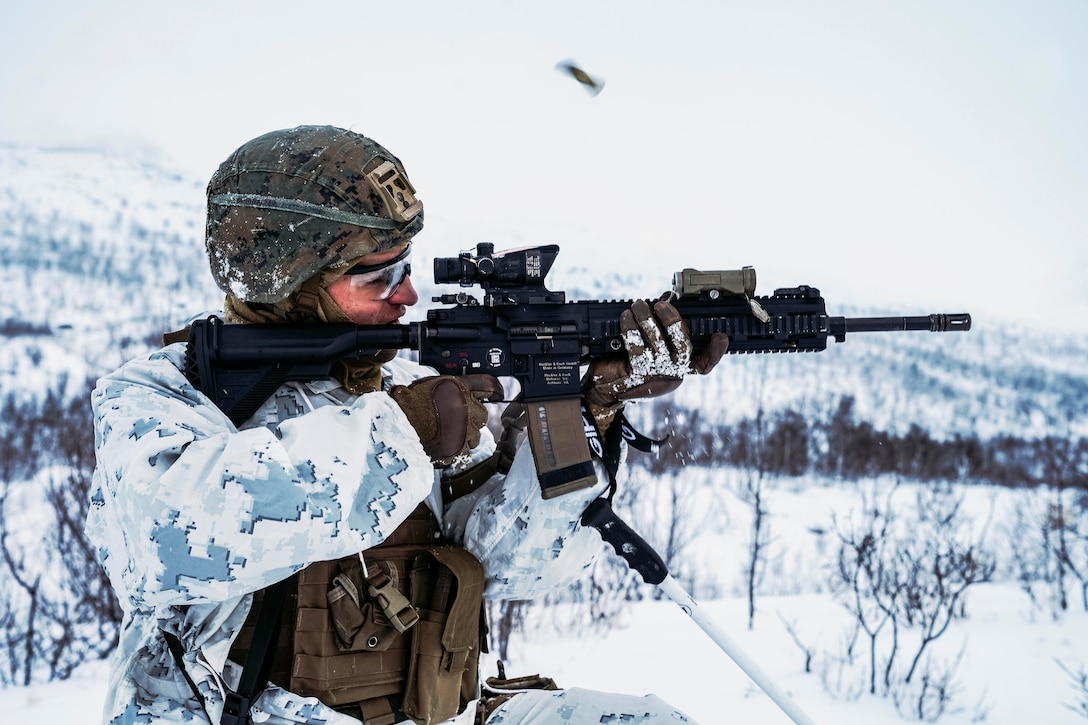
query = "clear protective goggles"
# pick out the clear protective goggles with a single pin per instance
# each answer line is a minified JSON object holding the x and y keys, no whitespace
{"x":387,"y":276}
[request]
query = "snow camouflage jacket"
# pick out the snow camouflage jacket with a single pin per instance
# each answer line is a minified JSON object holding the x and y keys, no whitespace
{"x":191,"y":515}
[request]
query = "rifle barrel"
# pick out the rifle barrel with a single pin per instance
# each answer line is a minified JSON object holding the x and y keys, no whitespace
{"x":933,"y":323}
{"x":943,"y":322}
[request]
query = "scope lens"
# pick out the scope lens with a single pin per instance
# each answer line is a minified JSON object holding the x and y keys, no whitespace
{"x":447,"y":270}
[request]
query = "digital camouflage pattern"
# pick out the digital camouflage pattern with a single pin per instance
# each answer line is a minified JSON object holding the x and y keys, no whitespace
{"x":291,"y":203}
{"x":191,"y":515}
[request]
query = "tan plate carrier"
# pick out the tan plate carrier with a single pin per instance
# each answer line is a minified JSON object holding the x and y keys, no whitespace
{"x":400,"y":638}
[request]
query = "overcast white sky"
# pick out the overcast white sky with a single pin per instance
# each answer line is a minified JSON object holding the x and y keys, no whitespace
{"x":923,"y":155}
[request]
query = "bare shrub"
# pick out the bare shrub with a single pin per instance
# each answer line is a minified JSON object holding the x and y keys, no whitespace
{"x":1080,"y":688}
{"x":904,"y":579}
{"x":57,"y":607}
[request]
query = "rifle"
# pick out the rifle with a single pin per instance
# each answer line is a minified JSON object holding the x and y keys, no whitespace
{"x":522,"y":330}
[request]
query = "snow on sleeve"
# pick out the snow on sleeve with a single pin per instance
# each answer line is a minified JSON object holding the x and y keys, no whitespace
{"x":530,"y":545}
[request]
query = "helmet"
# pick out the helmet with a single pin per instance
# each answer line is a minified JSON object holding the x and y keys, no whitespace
{"x":292,"y":203}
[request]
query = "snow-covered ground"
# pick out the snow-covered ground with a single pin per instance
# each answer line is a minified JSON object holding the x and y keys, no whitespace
{"x":1012,"y":650}
{"x":1009,"y":674}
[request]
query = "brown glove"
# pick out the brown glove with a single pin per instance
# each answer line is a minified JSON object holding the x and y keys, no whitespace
{"x":659,"y":355}
{"x":447,"y":412}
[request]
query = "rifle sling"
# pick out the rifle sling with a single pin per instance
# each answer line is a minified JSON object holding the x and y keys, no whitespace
{"x":178,"y":651}
{"x":258,"y":660}
{"x":464,"y":483}
{"x":468,"y":481}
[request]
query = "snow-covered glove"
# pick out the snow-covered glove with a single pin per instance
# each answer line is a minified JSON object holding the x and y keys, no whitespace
{"x":447,"y":412}
{"x":659,"y":355}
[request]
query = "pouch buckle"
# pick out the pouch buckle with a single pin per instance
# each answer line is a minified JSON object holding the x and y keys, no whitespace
{"x":397,"y":609}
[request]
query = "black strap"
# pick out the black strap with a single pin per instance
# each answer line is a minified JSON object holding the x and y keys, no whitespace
{"x":178,"y":651}
{"x":258,"y":660}
{"x":608,"y":447}
{"x":637,"y":440}
{"x":611,"y":452}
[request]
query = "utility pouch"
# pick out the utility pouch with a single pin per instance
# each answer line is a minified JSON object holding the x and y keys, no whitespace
{"x":447,"y":588}
{"x":368,"y":614}
{"x":403,"y":639}
{"x":345,"y":653}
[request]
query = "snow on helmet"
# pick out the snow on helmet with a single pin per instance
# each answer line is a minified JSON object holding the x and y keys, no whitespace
{"x":292,"y":203}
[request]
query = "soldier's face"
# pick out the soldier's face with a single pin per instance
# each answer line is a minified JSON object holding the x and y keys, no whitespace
{"x":363,"y":297}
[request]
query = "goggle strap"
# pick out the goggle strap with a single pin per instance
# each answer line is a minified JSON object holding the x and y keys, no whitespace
{"x":364,"y":269}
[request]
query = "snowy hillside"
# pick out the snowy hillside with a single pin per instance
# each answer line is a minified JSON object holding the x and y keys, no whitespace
{"x":101,"y":251}
{"x":101,"y":236}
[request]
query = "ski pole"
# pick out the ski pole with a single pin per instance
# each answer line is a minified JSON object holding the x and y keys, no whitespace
{"x":641,"y":557}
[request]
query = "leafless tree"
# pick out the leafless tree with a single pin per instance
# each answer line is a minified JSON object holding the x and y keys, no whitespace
{"x":1050,"y":534}
{"x":865,"y":582}
{"x":752,"y":491}
{"x":1080,"y":687}
{"x":899,"y":575}
{"x":507,"y":617}
{"x":807,"y":650}
{"x":56,"y":604}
